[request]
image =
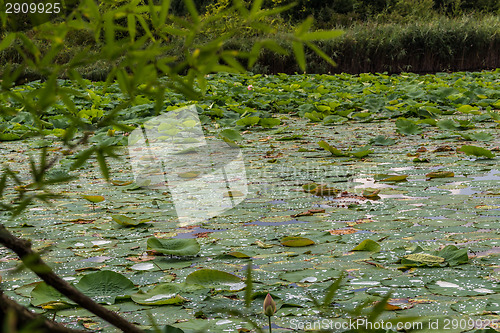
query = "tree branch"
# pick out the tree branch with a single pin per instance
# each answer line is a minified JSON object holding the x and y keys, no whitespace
{"x":24,"y":315}
{"x":33,"y":261}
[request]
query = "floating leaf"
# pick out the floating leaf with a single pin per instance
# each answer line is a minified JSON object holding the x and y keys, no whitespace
{"x":361,"y":152}
{"x":408,"y":127}
{"x":215,"y":279}
{"x":162,"y":294}
{"x":93,"y":198}
{"x":382,"y":141}
{"x":125,"y":220}
{"x":233,"y":194}
{"x":368,"y":245}
{"x":334,"y":119}
{"x":309,"y":187}
{"x":424,"y":258}
{"x":248,"y":121}
{"x":43,"y":294}
{"x":448,"y":256}
{"x":325,"y":191}
{"x":290,"y":138}
{"x":189,"y":174}
{"x":263,"y":245}
{"x":231,"y":134}
{"x":174,"y":246}
{"x":292,"y":241}
{"x":269,"y":122}
{"x":465,"y":286}
{"x":390,"y":178}
{"x":334,"y":151}
{"x":479,"y":136}
{"x":238,"y":255}
{"x":121,"y":182}
{"x":477,"y":151}
{"x":371,"y":193}
{"x":106,"y":286}
{"x":440,"y":174}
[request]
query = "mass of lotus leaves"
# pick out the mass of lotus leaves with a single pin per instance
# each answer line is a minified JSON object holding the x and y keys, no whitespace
{"x":391,"y":179}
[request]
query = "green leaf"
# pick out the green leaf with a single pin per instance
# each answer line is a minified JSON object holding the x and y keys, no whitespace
{"x":479,"y":136}
{"x":248,"y":121}
{"x":314,"y":116}
{"x":361,"y":152}
{"x":333,"y":119}
{"x":106,"y":286}
{"x":231,"y":134}
{"x":334,"y":151}
{"x":408,"y":127}
{"x":440,"y":174}
{"x":166,"y":329}
{"x":174,"y":246}
{"x":298,"y":50}
{"x":467,"y":108}
{"x":368,"y":245}
{"x":248,"y":285}
{"x":44,"y":294}
{"x":269,"y":122}
{"x":292,"y":241}
{"x":162,"y":294}
{"x":390,"y":178}
{"x":93,"y":198}
{"x":311,"y":187}
{"x":332,"y":289}
{"x":424,"y":258}
{"x":453,"y":255}
{"x":215,"y":279}
{"x":448,"y":124}
{"x":7,"y":40}
{"x":125,"y":221}
{"x":381,"y":140}
{"x":477,"y":151}
{"x":321,"y":35}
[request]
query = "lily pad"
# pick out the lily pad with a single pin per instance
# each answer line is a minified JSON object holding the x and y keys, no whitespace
{"x":43,"y":294}
{"x":162,"y":294}
{"x":440,"y":174}
{"x":93,"y":198}
{"x":106,"y":286}
{"x":125,"y":220}
{"x":215,"y":279}
{"x":477,"y":151}
{"x":174,"y":246}
{"x":291,"y":241}
{"x":368,"y":245}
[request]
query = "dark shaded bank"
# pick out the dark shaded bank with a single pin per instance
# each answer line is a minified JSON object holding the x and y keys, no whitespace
{"x":441,"y":45}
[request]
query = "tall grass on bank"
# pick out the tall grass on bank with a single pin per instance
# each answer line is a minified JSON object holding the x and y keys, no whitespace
{"x":443,"y":44}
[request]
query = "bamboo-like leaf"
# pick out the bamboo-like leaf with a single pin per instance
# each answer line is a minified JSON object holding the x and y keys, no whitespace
{"x":248,"y":285}
{"x":191,"y":8}
{"x":321,"y":35}
{"x":131,"y":26}
{"x":256,"y":6}
{"x":332,"y":289}
{"x":298,"y":49}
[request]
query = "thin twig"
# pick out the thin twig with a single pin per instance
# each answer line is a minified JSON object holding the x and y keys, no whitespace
{"x":24,"y":315}
{"x":33,"y":261}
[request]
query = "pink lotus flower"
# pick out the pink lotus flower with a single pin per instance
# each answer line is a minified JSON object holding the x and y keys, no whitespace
{"x":250,"y":87}
{"x":269,"y":306}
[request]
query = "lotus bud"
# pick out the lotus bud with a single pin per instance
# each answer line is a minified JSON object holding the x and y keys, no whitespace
{"x":269,"y":306}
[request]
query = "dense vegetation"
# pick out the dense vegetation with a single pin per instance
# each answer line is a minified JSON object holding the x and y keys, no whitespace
{"x":327,"y":195}
{"x":380,"y":36}
{"x":392,"y":178}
